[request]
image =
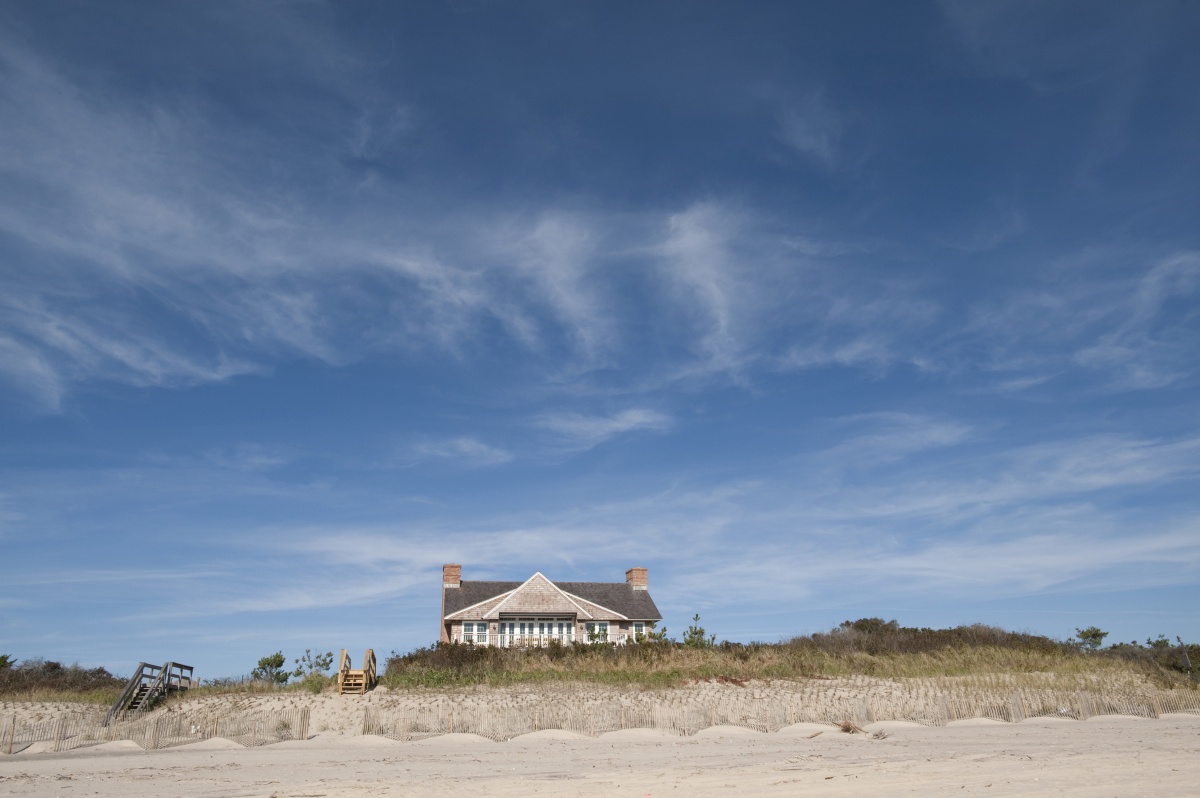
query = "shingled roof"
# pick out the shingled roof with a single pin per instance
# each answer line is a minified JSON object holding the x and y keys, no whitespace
{"x":616,"y":596}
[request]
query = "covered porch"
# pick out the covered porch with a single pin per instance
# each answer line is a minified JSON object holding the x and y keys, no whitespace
{"x":531,"y":632}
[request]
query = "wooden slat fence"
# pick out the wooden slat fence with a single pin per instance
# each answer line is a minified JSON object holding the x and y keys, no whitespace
{"x":677,"y":712}
{"x":159,"y":730}
{"x":684,"y":715}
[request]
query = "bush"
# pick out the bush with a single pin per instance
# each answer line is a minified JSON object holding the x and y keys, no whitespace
{"x":1091,"y":638}
{"x":867,"y":646}
{"x":270,"y":669}
{"x":695,"y":637}
{"x":40,"y":676}
{"x":876,"y":636}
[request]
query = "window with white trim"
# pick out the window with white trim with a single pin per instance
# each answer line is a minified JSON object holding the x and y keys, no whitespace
{"x":597,"y":631}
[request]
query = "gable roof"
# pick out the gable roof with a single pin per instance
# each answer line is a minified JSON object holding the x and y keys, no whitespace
{"x":616,"y":596}
{"x":481,"y":608}
{"x":538,"y":595}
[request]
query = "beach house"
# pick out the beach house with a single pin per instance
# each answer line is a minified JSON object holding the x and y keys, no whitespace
{"x":537,"y":612}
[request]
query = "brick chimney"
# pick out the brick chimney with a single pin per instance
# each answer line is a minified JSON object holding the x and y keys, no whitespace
{"x":451,"y":575}
{"x":638,"y":578}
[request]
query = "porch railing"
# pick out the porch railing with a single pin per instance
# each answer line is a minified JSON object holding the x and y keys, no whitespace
{"x":538,"y":641}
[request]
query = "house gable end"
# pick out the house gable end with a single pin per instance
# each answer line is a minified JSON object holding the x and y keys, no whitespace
{"x":538,"y":596}
{"x":598,"y":611}
{"x":479,"y":611}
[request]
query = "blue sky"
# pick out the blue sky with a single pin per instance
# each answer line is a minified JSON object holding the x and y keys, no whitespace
{"x":819,"y":311}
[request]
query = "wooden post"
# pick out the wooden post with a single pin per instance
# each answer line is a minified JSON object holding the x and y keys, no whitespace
{"x":12,"y":733}
{"x":58,"y":724}
{"x":302,"y":732}
{"x":154,"y":735}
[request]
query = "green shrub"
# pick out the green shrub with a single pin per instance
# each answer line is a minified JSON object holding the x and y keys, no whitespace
{"x":39,"y":676}
{"x":270,"y":669}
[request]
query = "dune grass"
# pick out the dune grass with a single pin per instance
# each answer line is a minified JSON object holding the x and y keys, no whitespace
{"x":38,"y":680}
{"x":868,"y":647}
{"x":963,"y":656}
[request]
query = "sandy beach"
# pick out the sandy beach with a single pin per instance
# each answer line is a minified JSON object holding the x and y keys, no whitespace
{"x":1102,"y":756}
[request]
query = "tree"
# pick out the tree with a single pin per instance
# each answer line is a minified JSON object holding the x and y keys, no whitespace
{"x":270,"y":669}
{"x":1091,"y":638}
{"x":1161,"y":642}
{"x":312,"y":664}
{"x":695,"y":636}
{"x":657,"y":635}
{"x":7,"y":661}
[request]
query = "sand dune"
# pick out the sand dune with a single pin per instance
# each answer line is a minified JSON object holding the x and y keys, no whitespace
{"x":1098,"y":757}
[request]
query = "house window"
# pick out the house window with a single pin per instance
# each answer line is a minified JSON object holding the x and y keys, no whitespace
{"x":481,"y":633}
{"x":474,"y":632}
{"x":597,"y":631}
{"x":639,"y":630}
{"x":468,"y":632}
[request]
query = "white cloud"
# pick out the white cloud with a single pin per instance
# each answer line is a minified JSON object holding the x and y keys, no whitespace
{"x":890,"y":436}
{"x":1129,"y":328}
{"x":811,"y":127}
{"x":697,"y":256}
{"x":29,"y":371}
{"x":251,"y":457}
{"x":556,"y":254}
{"x":578,"y":431}
{"x":151,"y":252}
{"x":464,"y":449}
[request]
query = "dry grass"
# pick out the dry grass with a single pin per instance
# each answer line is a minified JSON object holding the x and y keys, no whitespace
{"x":37,"y":680}
{"x":964,"y":658}
{"x":102,"y":698}
{"x":869,"y":647}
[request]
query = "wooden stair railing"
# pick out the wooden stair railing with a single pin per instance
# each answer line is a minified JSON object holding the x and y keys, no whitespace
{"x":356,"y":682}
{"x":147,"y":685}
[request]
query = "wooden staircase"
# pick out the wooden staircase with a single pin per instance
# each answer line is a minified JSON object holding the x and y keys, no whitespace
{"x":356,"y":682}
{"x":149,"y":684}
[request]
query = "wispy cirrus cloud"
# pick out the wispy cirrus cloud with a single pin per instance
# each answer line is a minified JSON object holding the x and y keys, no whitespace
{"x":581,"y":432}
{"x":885,"y":437}
{"x":1129,"y":329}
{"x":153,"y":252}
{"x":810,"y":126}
{"x":462,"y":449}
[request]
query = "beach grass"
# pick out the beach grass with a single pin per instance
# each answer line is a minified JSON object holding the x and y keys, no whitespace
{"x":962,"y":657}
{"x":868,"y":647}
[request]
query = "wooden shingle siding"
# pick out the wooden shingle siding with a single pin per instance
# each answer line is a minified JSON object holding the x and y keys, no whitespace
{"x":617,"y":604}
{"x":597,"y":612}
{"x":480,"y":611}
{"x":538,"y":596}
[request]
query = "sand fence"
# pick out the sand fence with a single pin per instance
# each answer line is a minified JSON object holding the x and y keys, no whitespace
{"x":154,"y":730}
{"x":502,"y":715}
{"x":687,"y":714}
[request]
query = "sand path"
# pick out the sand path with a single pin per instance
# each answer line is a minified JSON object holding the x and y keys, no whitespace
{"x":1105,"y":756}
